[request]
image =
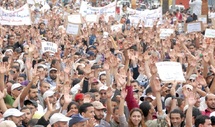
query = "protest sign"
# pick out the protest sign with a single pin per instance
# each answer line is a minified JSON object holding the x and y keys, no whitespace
{"x":72,"y":29}
{"x":170,"y":71}
{"x":165,"y":33}
{"x":92,"y":18}
{"x":194,"y":27}
{"x":76,"y":19}
{"x":202,"y":18}
{"x":49,"y":47}
{"x":116,"y":28}
{"x":19,"y":16}
{"x":210,"y":33}
{"x":148,"y":16}
{"x":36,"y":2}
{"x":106,"y":11}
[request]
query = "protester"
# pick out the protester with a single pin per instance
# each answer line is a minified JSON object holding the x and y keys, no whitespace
{"x":102,"y":68}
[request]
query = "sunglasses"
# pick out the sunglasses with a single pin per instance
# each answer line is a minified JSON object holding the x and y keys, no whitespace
{"x":19,"y":88}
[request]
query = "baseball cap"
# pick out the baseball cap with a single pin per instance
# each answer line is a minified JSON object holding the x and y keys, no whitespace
{"x":48,"y":94}
{"x":12,"y":112}
{"x":98,"y":105}
{"x":77,"y":119}
{"x":79,"y":96}
{"x":26,"y":102}
{"x":103,"y":88}
{"x":7,"y":123}
{"x":15,"y":85}
{"x":52,"y":69}
{"x":193,"y":76}
{"x":56,"y":117}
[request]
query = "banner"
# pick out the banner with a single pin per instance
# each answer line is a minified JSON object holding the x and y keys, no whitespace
{"x":49,"y":47}
{"x":72,"y":29}
{"x":210,"y":33}
{"x":170,"y":71}
{"x":117,"y":27}
{"x":36,"y":2}
{"x":148,"y":16}
{"x":19,"y":16}
{"x":106,"y":11}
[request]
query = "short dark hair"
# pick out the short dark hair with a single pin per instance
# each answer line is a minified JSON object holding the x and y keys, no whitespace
{"x":201,"y":120}
{"x":145,"y":107}
{"x":83,"y":107}
{"x":114,"y":109}
{"x":94,"y":91}
{"x":195,"y":112}
{"x":24,"y":108}
{"x":178,"y":111}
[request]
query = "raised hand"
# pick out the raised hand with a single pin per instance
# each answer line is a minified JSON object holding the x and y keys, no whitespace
{"x":3,"y":68}
{"x":28,"y":63}
{"x":109,"y":92}
{"x":201,"y":80}
{"x":191,"y":98}
{"x":124,"y":93}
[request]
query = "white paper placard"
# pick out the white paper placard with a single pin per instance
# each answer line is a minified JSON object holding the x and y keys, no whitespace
{"x":116,"y":28}
{"x":210,"y":33}
{"x":170,"y":71}
{"x":194,"y":27}
{"x":72,"y":29}
{"x":165,"y":33}
{"x":49,"y":47}
{"x":76,"y":19}
{"x":202,"y":18}
{"x":19,"y":16}
{"x":92,"y":18}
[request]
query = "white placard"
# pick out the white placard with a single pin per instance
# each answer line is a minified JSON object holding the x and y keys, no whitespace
{"x":194,"y":27}
{"x":19,"y":16}
{"x":106,"y":11}
{"x":203,"y":18}
{"x":210,"y":33}
{"x":165,"y":33}
{"x":49,"y":47}
{"x":72,"y":29}
{"x":148,"y":16}
{"x":92,"y":18}
{"x":36,"y":1}
{"x":117,"y":27}
{"x":76,"y":19}
{"x":170,"y":71}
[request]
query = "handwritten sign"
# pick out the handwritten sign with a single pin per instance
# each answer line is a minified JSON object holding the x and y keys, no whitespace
{"x":72,"y":29}
{"x":165,"y":33}
{"x":116,"y":28}
{"x":49,"y":47}
{"x":19,"y":16}
{"x":170,"y":71}
{"x":210,"y":33}
{"x":148,"y":16}
{"x":193,"y":27}
{"x":202,"y":18}
{"x":106,"y":11}
{"x":92,"y":18}
{"x":76,"y":19}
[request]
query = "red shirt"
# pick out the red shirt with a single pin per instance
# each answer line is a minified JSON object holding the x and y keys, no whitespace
{"x":207,"y":112}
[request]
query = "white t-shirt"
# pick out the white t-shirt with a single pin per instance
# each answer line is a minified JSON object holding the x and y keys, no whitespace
{"x":196,"y":6}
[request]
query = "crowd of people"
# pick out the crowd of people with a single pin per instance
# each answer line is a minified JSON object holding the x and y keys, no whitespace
{"x":103,"y":81}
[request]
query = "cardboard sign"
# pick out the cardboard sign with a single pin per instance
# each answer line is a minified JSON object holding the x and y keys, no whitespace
{"x":194,"y":27}
{"x":170,"y":71}
{"x":19,"y":16}
{"x":75,"y":19}
{"x":92,"y":18}
{"x":210,"y":33}
{"x":49,"y":47}
{"x":165,"y":33}
{"x":116,"y":28}
{"x":203,"y":18}
{"x":72,"y":29}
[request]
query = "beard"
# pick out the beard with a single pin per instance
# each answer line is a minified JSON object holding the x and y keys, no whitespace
{"x":97,"y":118}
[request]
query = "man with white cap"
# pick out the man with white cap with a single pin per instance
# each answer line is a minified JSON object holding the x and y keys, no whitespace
{"x":52,"y":76}
{"x":59,"y":120}
{"x":16,"y":89}
{"x":50,"y":95}
{"x":14,"y":115}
